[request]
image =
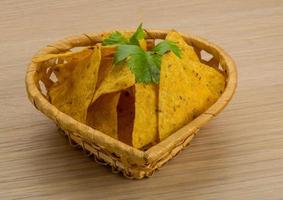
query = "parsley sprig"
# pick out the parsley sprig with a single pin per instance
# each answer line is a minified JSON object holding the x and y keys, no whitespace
{"x":145,"y":65}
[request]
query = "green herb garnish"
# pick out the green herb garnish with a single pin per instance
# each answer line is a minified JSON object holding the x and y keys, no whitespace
{"x":165,"y":46}
{"x":138,"y":35}
{"x":115,"y":38}
{"x":145,"y":65}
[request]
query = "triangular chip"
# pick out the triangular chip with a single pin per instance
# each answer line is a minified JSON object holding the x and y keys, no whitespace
{"x":213,"y":80}
{"x":145,"y":122}
{"x":102,"y":114}
{"x":119,"y":78}
{"x":104,"y":69}
{"x":208,"y":77}
{"x":187,"y":52}
{"x":208,"y":80}
{"x":67,"y":55}
{"x":175,"y":106}
{"x":187,"y":88}
{"x":112,"y":80}
{"x":73,"y":95}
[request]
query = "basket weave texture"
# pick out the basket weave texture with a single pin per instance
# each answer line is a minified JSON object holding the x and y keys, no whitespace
{"x":133,"y":163}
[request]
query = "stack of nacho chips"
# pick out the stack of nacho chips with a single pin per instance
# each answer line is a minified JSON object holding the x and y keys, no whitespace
{"x":107,"y":98}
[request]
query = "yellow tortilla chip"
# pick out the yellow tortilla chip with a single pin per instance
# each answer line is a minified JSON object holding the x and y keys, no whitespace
{"x":126,"y":115}
{"x":104,"y":69}
{"x":208,"y":77}
{"x":175,"y":106}
{"x":69,"y":54}
{"x":65,"y":64}
{"x":145,"y":123}
{"x":102,"y":114}
{"x":213,"y":80}
{"x":187,"y":88}
{"x":119,"y":78}
{"x":187,"y":52}
{"x":73,"y":95}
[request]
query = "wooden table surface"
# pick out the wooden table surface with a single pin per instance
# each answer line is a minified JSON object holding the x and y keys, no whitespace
{"x":238,"y":155}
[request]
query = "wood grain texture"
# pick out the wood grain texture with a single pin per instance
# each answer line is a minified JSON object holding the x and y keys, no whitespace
{"x":238,"y":155}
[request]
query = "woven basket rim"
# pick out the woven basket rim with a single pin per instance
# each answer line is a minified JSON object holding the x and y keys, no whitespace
{"x":157,"y":150}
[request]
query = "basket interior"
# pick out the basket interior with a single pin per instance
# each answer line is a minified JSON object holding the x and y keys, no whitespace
{"x":47,"y":77}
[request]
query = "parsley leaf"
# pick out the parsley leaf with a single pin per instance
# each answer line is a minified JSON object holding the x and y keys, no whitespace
{"x":165,"y":46}
{"x":115,"y":38}
{"x":154,"y":62}
{"x":124,"y":51}
{"x":138,"y":35}
{"x":138,"y":65}
{"x":118,"y":39}
{"x":145,"y":65}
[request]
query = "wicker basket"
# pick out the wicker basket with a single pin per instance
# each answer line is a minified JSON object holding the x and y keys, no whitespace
{"x":133,"y":163}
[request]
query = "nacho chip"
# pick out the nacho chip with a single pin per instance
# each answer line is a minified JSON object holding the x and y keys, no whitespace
{"x":119,"y":78}
{"x":104,"y":69}
{"x":213,"y":80}
{"x":137,"y":117}
{"x":210,"y":79}
{"x":63,"y":71}
{"x":187,"y":88}
{"x":67,"y":55}
{"x":175,"y":106}
{"x":102,"y":114}
{"x":61,"y":64}
{"x":145,"y":123}
{"x":73,"y":95}
{"x":126,"y":115}
{"x":188,"y":52}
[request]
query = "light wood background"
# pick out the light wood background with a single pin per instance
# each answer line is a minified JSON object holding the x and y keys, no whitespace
{"x":238,"y":155}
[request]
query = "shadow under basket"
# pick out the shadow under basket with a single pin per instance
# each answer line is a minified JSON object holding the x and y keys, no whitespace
{"x":132,"y":162}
